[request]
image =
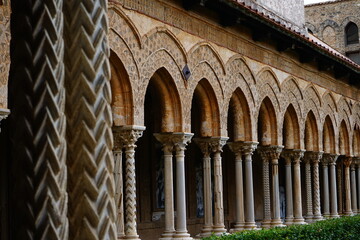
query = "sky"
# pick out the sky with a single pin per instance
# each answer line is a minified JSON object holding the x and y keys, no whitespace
{"x":314,"y":1}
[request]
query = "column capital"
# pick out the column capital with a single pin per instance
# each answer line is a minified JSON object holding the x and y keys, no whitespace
{"x":3,"y":114}
{"x":314,"y":157}
{"x":330,"y":158}
{"x":204,"y":145}
{"x":174,"y":141}
{"x":217,"y":143}
{"x":270,"y":153}
{"x":295,"y":154}
{"x":248,"y":147}
{"x":356,"y":161}
{"x":347,"y":161}
{"x":126,"y":135}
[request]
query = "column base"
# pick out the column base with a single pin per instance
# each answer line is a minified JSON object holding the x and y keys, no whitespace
{"x":166,"y":236}
{"x":237,"y":227}
{"x":334,"y":216}
{"x":348,"y":214}
{"x":288,"y":221}
{"x":277,"y":223}
{"x":309,"y":219}
{"x":132,"y":237}
{"x":266,"y":224}
{"x":250,"y":225}
{"x":299,"y":221}
{"x":218,"y":230}
{"x":182,"y":236}
{"x":318,"y":218}
{"x":206,"y":231}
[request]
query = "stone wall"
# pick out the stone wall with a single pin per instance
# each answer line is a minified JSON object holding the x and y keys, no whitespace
{"x":293,"y":10}
{"x":4,"y":50}
{"x":328,"y":19}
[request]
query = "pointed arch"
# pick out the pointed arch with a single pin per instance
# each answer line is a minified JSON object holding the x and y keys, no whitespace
{"x":122,"y":98}
{"x":291,"y":129}
{"x":351,"y":33}
{"x":267,"y":123}
{"x":239,"y":122}
{"x":205,"y":111}
{"x":356,"y":141}
{"x":311,"y":133}
{"x":162,"y":92}
{"x":328,"y":136}
{"x":344,"y":141}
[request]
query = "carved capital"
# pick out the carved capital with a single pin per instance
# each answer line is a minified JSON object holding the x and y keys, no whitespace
{"x":330,"y":158}
{"x":217,"y":143}
{"x":127,"y":135}
{"x":294,"y":154}
{"x":174,"y":141}
{"x":270,"y":153}
{"x":3,"y":114}
{"x":248,"y":147}
{"x":314,"y":157}
{"x":356,"y":161}
{"x":347,"y":161}
{"x":204,"y":145}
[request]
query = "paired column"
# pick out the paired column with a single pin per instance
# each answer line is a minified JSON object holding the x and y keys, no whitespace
{"x":246,"y":221}
{"x":326,"y":197}
{"x":271,"y":153}
{"x":128,"y":136}
{"x":353,"y":188}
{"x":348,"y":210}
{"x":315,"y":157}
{"x":331,"y":159}
{"x":175,"y":142}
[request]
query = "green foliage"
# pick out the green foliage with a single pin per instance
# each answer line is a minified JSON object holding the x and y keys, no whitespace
{"x":339,"y":228}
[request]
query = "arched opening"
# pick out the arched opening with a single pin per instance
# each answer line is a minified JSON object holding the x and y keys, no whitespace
{"x":162,"y":113}
{"x":205,"y":123}
{"x":122,"y":99}
{"x":267,"y":130}
{"x":352,"y":33}
{"x":311,"y":133}
{"x":291,"y":130}
{"x":328,"y":136}
{"x":344,"y":145}
{"x":356,"y":141}
{"x":329,"y":36}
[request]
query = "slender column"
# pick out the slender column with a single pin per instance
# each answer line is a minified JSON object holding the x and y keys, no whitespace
{"x":181,"y":141}
{"x":289,"y":193}
{"x":308,"y":186}
{"x":353,"y":188}
{"x":247,"y":149}
{"x":129,"y":135}
{"x":298,"y":218}
{"x":347,"y":163}
{"x":204,"y":146}
{"x":266,"y":223}
{"x":326,"y":198}
{"x":357,"y":162}
{"x":333,"y":194}
{"x":339,"y":171}
{"x":118,"y":176}
{"x":236,"y":147}
{"x":219,"y":226}
{"x":315,"y":159}
{"x":167,"y":143}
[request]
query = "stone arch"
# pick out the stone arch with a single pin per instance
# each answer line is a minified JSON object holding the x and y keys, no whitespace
{"x":311,"y":133}
{"x":122,"y":97}
{"x":239,"y":121}
{"x":119,"y":22}
{"x":162,"y":90}
{"x":329,"y":107}
{"x":203,"y":51}
{"x":345,"y":113}
{"x":206,"y":109}
{"x":356,"y":141}
{"x":160,"y":38}
{"x":328,"y":136}
{"x":267,"y":123}
{"x":311,"y":27}
{"x":344,"y":140}
{"x":291,"y":129}
{"x":329,"y":36}
{"x":268,"y":86}
{"x":328,"y":22}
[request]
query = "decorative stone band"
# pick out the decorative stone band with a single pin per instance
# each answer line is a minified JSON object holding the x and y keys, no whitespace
{"x":3,"y":114}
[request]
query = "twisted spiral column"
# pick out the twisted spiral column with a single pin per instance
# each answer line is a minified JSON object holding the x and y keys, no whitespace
{"x":266,"y":223}
{"x":315,"y":158}
{"x":37,"y":102}
{"x":216,"y":146}
{"x":340,"y":181}
{"x":308,"y":185}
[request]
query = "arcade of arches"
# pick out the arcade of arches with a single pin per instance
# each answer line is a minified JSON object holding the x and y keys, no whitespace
{"x":238,"y":145}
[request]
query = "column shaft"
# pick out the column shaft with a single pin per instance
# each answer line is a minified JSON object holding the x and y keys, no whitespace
{"x":353,"y":190}
{"x":358,"y":183}
{"x":309,"y":201}
{"x":275,"y":193}
{"x":333,"y":193}
{"x":298,"y":218}
{"x":326,"y":198}
{"x":267,"y":203}
{"x":208,"y":217}
{"x":239,"y":225}
{"x":340,"y":180}
{"x":119,"y":194}
{"x":289,"y":193}
{"x":249,"y":191}
{"x":316,"y":184}
{"x":219,"y":226}
{"x":347,"y":163}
